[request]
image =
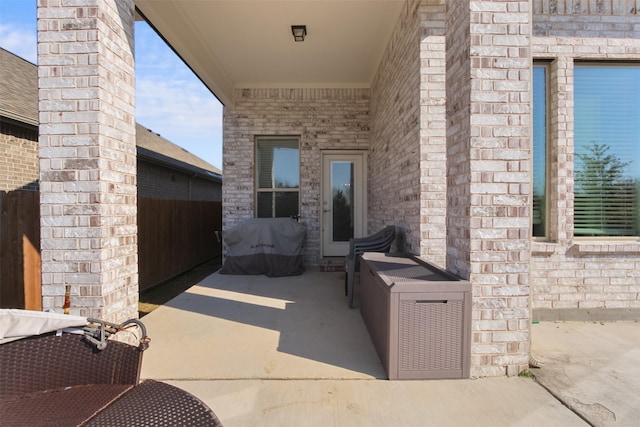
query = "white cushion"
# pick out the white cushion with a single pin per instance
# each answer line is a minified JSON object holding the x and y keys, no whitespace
{"x":16,"y":324}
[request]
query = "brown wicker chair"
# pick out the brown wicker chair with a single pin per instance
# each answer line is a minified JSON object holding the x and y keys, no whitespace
{"x":66,"y":380}
{"x":45,"y":362}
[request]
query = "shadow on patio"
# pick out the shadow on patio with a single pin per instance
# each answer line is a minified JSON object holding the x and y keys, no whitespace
{"x":254,"y":348}
{"x":254,"y":327}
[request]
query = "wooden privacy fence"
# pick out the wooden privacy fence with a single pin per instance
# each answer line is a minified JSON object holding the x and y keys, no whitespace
{"x":20,"y":280}
{"x":173,"y":236}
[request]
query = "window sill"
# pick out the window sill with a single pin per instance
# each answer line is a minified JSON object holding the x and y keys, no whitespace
{"x":593,"y":247}
{"x":543,"y":248}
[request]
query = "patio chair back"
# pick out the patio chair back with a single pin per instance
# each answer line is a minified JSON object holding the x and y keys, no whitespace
{"x":48,"y":361}
{"x":378,"y":242}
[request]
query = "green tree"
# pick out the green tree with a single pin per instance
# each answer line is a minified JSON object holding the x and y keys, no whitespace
{"x":342,"y":229}
{"x":605,"y":198}
{"x":599,"y":168}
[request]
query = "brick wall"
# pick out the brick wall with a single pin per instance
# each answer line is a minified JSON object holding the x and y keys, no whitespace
{"x":586,"y":19}
{"x":407,"y":162}
{"x":433,"y":134}
{"x":406,"y":165}
{"x":394,"y":160}
{"x":580,"y":278}
{"x":202,"y":189}
{"x":405,"y":135}
{"x":18,"y":157}
{"x":324,"y":119}
{"x":458,"y":136}
{"x":88,"y":157}
{"x":158,"y":182}
{"x":488,"y":181}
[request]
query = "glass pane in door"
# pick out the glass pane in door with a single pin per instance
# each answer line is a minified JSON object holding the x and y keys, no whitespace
{"x":342,"y":187}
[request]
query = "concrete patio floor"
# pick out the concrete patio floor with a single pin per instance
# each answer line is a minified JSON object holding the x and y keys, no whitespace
{"x":593,"y":368}
{"x":288,"y":352}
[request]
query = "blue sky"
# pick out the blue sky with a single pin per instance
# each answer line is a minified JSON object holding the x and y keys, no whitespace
{"x":170,"y":100}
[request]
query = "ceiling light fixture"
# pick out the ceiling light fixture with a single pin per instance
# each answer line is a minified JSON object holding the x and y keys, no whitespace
{"x":299,"y":32}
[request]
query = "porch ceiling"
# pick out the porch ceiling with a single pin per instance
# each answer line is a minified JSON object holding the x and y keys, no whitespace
{"x":233,"y":44}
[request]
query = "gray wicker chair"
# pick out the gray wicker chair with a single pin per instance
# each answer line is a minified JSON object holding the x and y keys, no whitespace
{"x":378,"y":242}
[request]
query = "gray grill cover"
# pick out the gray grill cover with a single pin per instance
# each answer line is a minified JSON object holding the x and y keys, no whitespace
{"x":269,"y":246}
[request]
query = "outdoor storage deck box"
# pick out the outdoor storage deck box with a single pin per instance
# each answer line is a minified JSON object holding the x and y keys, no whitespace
{"x":418,"y":316}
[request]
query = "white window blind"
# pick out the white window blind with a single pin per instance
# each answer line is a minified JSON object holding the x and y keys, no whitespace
{"x":607,"y":150}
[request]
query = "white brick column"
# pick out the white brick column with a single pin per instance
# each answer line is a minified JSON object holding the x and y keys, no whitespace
{"x":88,"y":156}
{"x":489,"y":173}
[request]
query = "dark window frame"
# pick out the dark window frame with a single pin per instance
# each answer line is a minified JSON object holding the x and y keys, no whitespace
{"x":541,"y":220}
{"x":279,"y":194}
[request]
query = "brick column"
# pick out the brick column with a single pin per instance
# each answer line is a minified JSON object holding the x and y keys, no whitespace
{"x":88,"y":156}
{"x":488,"y":152}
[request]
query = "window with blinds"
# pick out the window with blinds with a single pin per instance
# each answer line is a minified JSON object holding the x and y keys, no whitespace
{"x":607,"y":149}
{"x":278,"y":177}
{"x":539,"y":220}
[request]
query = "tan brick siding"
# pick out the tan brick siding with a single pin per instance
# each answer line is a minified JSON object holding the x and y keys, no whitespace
{"x":158,"y":182}
{"x":408,"y":133}
{"x":18,"y":157}
{"x":323,"y":119}
{"x":581,"y":276}
{"x":458,"y":84}
{"x":585,"y":7}
{"x":433,"y":133}
{"x":394,"y":163}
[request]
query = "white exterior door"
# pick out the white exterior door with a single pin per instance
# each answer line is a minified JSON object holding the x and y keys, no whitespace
{"x":343,"y":200}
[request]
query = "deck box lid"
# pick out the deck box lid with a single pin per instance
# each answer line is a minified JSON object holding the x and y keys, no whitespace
{"x":408,"y":273}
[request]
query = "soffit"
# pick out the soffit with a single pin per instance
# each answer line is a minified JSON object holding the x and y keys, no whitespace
{"x":234,"y":44}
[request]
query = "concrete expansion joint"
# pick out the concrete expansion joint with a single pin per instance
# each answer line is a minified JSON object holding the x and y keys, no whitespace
{"x":239,"y":379}
{"x":568,"y":403}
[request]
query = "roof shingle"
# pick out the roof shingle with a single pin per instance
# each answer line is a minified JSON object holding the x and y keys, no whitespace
{"x":19,"y":101}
